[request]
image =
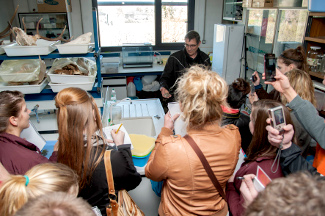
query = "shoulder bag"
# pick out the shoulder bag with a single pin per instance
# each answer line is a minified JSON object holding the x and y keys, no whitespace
{"x":125,"y":205}
{"x":206,"y":165}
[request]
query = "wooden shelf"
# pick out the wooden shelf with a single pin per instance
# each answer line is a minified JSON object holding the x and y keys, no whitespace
{"x":317,"y":14}
{"x":317,"y":74}
{"x":320,"y":39}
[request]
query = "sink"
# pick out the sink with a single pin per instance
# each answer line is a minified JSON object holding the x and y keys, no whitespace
{"x":140,"y":125}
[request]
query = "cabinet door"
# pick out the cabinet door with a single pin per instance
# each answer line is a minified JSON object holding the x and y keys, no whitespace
{"x":50,"y":26}
{"x":292,"y":26}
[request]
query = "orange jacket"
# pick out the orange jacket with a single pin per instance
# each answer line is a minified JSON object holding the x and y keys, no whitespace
{"x":187,"y":189}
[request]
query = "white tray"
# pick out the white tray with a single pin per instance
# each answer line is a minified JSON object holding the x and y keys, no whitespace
{"x":42,"y":47}
{"x":58,"y":87}
{"x":6,"y":43}
{"x":25,"y":89}
{"x":74,"y":48}
{"x":60,"y":78}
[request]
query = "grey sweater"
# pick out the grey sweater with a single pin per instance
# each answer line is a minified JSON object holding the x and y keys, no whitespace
{"x":308,"y":116}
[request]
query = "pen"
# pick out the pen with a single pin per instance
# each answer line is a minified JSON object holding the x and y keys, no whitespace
{"x":118,"y":128}
{"x":240,"y":178}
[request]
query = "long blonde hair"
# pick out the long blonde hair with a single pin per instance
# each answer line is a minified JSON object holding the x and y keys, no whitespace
{"x":302,"y":84}
{"x":201,"y":93}
{"x":42,"y":179}
{"x":77,"y":117}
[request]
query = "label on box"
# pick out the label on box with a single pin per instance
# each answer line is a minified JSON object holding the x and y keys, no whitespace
{"x":40,"y":1}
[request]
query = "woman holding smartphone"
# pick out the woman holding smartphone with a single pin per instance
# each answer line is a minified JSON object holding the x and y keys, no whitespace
{"x":259,"y":153}
{"x":288,"y":60}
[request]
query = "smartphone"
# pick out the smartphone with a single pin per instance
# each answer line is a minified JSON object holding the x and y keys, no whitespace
{"x":269,"y":67}
{"x":278,"y":118}
{"x":253,"y":78}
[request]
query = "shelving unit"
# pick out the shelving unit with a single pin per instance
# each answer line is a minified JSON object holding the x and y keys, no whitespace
{"x":315,"y":36}
{"x":47,"y":94}
{"x":233,"y":10}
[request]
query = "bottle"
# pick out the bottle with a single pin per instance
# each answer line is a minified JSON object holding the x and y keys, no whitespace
{"x":313,"y":58}
{"x":131,"y":89}
{"x":113,"y":95}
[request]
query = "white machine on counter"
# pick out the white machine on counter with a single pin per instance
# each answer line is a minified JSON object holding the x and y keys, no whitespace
{"x":227,"y":50}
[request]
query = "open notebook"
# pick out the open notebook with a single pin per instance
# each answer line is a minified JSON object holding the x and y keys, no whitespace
{"x":107,"y":133}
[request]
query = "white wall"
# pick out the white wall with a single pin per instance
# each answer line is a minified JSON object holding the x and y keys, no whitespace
{"x":80,"y":19}
{"x":213,"y":15}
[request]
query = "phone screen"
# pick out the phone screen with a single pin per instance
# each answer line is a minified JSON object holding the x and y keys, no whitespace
{"x":278,"y":115}
{"x":269,"y":63}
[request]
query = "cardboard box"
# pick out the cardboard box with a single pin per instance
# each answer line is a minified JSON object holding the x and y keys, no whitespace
{"x":262,"y":3}
{"x":247,"y":3}
{"x":54,"y":6}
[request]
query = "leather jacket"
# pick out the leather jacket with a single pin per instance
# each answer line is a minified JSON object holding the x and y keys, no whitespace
{"x":187,"y":189}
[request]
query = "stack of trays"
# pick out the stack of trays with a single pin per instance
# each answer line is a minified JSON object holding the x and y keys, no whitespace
{"x":59,"y":81}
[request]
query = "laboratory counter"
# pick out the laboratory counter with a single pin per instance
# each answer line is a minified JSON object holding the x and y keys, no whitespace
{"x":156,"y":69}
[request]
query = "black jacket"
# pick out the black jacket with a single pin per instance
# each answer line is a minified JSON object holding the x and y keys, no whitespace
{"x":176,"y":64}
{"x":291,"y":161}
{"x":242,"y":122}
{"x":125,"y":176}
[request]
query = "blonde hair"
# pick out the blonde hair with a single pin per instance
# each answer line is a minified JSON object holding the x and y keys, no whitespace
{"x":77,"y":116}
{"x":43,"y":178}
{"x":302,"y":84}
{"x":201,"y":93}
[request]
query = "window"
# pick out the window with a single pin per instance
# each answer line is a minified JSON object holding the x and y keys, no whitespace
{"x":163,"y":23}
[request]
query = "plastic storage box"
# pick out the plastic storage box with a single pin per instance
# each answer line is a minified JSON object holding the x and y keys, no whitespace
{"x":140,"y":161}
{"x":110,"y":65}
{"x":137,"y":55}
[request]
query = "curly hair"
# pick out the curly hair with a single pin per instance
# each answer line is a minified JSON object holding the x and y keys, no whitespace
{"x":298,"y":194}
{"x":201,"y":93}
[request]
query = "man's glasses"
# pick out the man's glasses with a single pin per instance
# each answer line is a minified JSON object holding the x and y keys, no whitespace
{"x":190,"y":45}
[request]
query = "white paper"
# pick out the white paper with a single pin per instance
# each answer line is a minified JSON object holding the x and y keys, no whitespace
{"x":241,"y":159}
{"x":32,"y":136}
{"x":107,"y":133}
{"x":179,"y":124}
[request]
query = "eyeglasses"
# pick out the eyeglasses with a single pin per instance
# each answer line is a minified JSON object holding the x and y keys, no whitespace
{"x":190,"y":45}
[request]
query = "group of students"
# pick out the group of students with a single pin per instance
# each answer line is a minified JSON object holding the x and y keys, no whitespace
{"x":211,"y":110}
{"x":79,"y":150}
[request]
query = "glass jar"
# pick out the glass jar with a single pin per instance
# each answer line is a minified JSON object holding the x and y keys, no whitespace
{"x":313,"y":58}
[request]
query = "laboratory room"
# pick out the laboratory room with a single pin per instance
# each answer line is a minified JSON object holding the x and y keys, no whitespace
{"x":162,"y":107}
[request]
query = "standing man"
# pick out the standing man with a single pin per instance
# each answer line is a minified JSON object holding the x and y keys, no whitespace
{"x":180,"y":60}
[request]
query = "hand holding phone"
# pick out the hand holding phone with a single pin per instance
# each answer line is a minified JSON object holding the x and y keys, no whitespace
{"x":278,"y":118}
{"x":269,"y":67}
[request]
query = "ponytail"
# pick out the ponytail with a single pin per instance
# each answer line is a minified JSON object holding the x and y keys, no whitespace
{"x":39,"y":180}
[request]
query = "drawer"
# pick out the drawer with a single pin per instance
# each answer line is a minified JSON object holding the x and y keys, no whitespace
{"x":114,"y":81}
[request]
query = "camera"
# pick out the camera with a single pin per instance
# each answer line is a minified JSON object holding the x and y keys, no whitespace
{"x":278,"y":118}
{"x":269,"y":67}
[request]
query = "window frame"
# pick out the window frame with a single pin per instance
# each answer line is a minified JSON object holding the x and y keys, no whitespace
{"x":157,"y":4}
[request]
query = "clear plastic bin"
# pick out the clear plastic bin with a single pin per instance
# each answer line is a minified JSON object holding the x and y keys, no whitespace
{"x":137,"y":55}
